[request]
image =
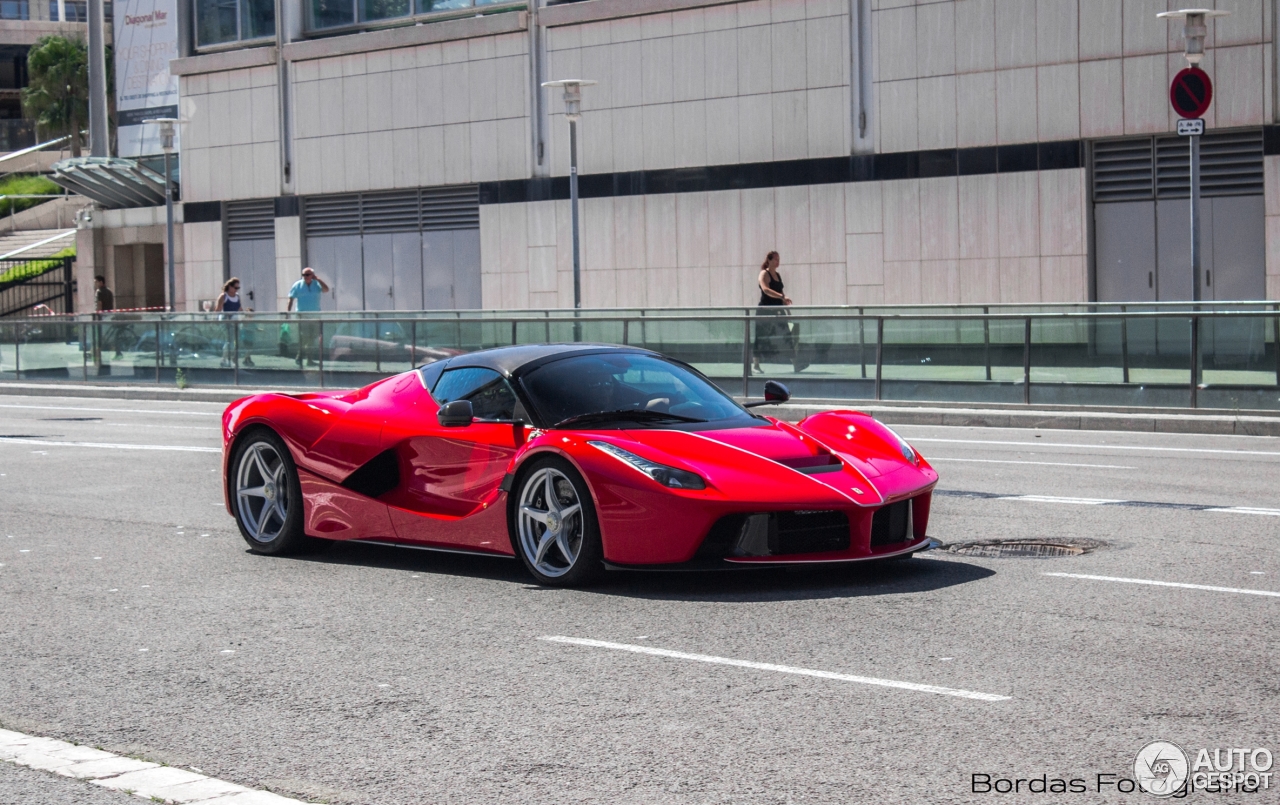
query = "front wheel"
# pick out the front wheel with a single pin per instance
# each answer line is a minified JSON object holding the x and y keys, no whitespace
{"x":266,"y":495}
{"x":554,"y":525}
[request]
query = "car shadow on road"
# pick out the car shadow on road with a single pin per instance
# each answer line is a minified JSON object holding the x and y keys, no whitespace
{"x":387,"y":557}
{"x":795,"y":583}
{"x":746,"y":585}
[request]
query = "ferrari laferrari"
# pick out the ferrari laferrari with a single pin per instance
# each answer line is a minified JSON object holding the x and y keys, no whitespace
{"x":575,"y":458}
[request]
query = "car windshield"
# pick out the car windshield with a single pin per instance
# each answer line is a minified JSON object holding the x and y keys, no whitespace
{"x":626,"y":389}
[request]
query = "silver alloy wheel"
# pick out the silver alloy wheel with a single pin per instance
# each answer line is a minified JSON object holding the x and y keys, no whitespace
{"x":262,"y":492}
{"x":550,"y":522}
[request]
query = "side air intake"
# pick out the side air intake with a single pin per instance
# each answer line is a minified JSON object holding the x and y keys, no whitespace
{"x":377,"y":477}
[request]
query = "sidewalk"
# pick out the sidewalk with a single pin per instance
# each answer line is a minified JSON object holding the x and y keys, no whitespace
{"x":988,"y":415}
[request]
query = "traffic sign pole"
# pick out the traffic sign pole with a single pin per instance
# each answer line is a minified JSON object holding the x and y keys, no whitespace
{"x":1195,"y":217}
{"x":1190,"y":96}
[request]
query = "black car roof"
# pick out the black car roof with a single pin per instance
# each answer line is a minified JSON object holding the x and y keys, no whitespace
{"x":510,"y":360}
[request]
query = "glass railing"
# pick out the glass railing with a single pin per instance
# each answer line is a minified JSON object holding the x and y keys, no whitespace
{"x":1225,"y":357}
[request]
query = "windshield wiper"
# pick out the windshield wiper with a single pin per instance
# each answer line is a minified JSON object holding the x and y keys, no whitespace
{"x":633,"y":414}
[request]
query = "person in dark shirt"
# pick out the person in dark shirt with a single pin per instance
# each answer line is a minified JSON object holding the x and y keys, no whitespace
{"x":104,"y":302}
{"x":103,"y":299}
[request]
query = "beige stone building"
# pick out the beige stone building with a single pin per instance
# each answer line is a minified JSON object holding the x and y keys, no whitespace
{"x":897,"y":152}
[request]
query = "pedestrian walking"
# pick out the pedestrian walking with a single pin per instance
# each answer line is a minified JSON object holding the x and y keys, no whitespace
{"x":104,"y":301}
{"x":228,"y":304}
{"x":229,"y":299}
{"x":306,"y":293}
{"x":774,"y":338}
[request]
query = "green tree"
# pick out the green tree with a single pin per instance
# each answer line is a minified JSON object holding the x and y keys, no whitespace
{"x":57,"y":92}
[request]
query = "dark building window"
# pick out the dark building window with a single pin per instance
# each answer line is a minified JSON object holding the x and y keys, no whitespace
{"x":222,"y":21}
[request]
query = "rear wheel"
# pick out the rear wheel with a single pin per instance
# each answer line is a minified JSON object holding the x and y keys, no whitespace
{"x":554,"y":526}
{"x":266,"y":495}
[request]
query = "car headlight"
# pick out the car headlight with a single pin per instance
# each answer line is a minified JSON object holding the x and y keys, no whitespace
{"x":907,"y":452}
{"x":667,"y":476}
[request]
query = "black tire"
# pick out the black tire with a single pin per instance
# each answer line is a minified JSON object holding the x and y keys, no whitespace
{"x":587,"y":565}
{"x":275,"y":536}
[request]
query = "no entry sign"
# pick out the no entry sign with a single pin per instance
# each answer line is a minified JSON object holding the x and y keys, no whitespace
{"x":1191,"y":92}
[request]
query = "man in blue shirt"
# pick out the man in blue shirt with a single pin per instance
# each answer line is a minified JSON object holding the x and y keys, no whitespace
{"x":306,"y":292}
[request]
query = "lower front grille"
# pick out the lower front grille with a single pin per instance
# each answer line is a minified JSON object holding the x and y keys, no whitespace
{"x":892,"y":524}
{"x":777,"y":534}
{"x":810,"y":532}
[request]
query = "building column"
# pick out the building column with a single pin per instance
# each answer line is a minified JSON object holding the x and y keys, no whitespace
{"x":288,"y":256}
{"x":1271,"y":172}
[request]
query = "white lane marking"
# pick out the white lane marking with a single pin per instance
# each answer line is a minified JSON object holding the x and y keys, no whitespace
{"x":1154,"y":583}
{"x":106,"y":446}
{"x":1246,"y":510}
{"x":782,"y":669}
{"x":144,"y":779}
{"x":111,"y":410}
{"x":1103,"y":446}
{"x":932,"y":459}
{"x":1052,"y":499}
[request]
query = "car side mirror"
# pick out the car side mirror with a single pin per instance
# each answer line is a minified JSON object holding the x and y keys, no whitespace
{"x":774,"y":392}
{"x":456,"y":414}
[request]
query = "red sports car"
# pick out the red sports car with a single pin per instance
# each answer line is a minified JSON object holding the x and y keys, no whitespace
{"x":576,"y":458}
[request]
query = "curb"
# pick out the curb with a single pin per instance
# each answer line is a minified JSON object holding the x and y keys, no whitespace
{"x":1155,"y":420}
{"x":208,"y":395}
{"x":1217,"y":423}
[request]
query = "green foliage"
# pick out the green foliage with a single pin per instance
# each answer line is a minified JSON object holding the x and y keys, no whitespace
{"x":181,"y":377}
{"x":35,"y":268}
{"x":57,"y":92}
{"x":24,"y":185}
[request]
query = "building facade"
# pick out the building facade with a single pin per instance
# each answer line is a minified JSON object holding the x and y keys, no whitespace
{"x":897,"y":152}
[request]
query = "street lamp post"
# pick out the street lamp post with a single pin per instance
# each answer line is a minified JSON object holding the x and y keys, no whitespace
{"x":99,"y":146}
{"x":168,"y":126}
{"x":573,"y":112}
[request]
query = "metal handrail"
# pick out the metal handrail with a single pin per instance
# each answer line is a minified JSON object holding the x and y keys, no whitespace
{"x":213,"y":317}
{"x":167,"y":356}
{"x":1014,"y":310}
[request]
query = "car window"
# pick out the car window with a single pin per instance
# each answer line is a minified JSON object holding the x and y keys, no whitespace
{"x":585,"y":384}
{"x":490,"y":395}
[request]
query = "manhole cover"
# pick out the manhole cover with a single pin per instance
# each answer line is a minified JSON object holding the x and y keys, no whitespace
{"x":1025,"y":548}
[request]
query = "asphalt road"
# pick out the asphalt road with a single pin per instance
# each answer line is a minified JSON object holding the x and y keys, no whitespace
{"x":132,"y":618}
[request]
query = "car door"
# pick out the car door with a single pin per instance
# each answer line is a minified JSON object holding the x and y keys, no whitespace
{"x":454,"y":473}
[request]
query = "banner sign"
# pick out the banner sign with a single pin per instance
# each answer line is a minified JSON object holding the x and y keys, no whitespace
{"x":146,"y":38}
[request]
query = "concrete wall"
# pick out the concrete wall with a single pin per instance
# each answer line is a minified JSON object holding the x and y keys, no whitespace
{"x":231,"y":147}
{"x":449,"y":113}
{"x":740,"y":82}
{"x":979,"y":72}
{"x":1000,"y":238}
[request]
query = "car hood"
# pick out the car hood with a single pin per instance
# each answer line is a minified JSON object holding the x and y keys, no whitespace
{"x":771,"y":464}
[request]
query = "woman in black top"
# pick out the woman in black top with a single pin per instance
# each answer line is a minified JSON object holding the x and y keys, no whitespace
{"x":773,"y":336}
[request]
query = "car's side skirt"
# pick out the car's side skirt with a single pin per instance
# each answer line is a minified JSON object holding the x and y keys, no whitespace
{"x":432,"y":548}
